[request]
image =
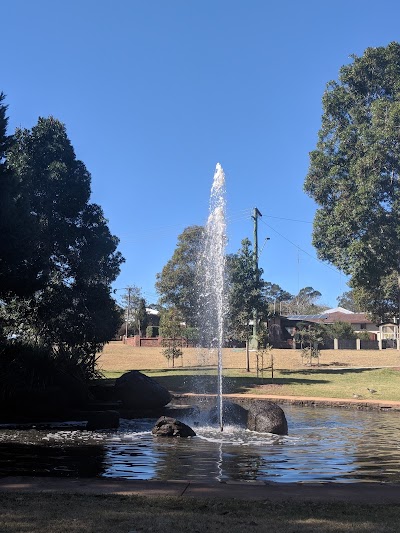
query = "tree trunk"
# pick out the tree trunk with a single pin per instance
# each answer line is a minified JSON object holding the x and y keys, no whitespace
{"x":247,"y":356}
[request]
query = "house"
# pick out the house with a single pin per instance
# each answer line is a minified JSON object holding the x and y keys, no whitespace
{"x":283,"y":328}
{"x":359,"y":321}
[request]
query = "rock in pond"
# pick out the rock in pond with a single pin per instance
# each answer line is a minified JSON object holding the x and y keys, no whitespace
{"x":232,"y":414}
{"x":267,"y":417}
{"x":103,"y":420}
{"x":137,"y":391}
{"x":171,"y":427}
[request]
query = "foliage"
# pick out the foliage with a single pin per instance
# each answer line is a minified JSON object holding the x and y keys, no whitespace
{"x":20,"y":266}
{"x":339,"y":330}
{"x":65,"y":299}
{"x":245,"y":288}
{"x":151,"y":331}
{"x":274,"y":293}
{"x":176,"y":283}
{"x":380,"y":298}
{"x":354,"y":173}
{"x":310,"y":336}
{"x":28,"y":372}
{"x":131,"y":299}
{"x":348,"y":300}
{"x":171,"y":328}
{"x":141,"y":317}
{"x":362,"y":335}
{"x":304,"y":303}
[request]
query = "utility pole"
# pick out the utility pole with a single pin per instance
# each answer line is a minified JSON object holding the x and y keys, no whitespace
{"x":255,"y":215}
{"x":127,"y":314}
{"x":127,"y":311}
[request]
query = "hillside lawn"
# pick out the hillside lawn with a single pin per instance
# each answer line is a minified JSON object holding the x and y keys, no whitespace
{"x":340,"y":373}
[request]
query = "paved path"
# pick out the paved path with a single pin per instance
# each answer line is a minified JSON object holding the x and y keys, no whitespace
{"x":344,"y":492}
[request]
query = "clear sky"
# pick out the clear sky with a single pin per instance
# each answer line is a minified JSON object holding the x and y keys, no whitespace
{"x":155,"y":92}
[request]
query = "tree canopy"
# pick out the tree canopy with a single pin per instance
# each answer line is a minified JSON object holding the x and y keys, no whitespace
{"x":355,"y":169}
{"x":176,"y":283}
{"x":245,"y":291}
{"x":63,"y":295}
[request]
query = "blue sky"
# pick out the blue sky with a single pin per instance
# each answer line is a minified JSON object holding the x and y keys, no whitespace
{"x":154,"y":93}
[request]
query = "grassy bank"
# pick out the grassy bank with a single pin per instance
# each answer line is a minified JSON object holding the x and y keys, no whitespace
{"x":341,"y":374}
{"x":57,"y":513}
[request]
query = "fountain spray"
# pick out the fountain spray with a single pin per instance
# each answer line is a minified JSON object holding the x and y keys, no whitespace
{"x":212,"y":278}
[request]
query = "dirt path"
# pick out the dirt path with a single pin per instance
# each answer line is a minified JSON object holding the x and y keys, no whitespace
{"x":317,"y":492}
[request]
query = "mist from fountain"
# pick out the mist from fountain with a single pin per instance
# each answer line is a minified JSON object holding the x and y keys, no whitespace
{"x":211,"y":280}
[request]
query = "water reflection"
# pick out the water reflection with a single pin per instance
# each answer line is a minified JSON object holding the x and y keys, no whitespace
{"x":323,"y":445}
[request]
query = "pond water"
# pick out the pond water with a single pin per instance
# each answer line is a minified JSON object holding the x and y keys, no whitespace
{"x":324,"y":445}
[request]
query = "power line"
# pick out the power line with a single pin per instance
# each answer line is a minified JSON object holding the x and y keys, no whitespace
{"x":289,"y":219}
{"x":301,"y":249}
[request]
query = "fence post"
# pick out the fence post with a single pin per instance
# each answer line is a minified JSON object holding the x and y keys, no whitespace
{"x":335,"y":344}
{"x":358,"y":344}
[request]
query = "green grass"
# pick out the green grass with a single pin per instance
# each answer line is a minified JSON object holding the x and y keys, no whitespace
{"x":58,"y":513}
{"x":315,"y":381}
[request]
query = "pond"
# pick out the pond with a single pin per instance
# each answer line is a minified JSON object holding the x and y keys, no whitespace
{"x":323,"y":445}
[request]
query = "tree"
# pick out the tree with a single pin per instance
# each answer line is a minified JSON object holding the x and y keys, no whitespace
{"x":380,"y":298}
{"x":176,"y":284}
{"x":141,"y":317}
{"x":245,"y":290}
{"x":274,"y":295}
{"x":131,"y":302}
{"x":69,"y":303}
{"x":19,"y":265}
{"x":304,"y":303}
{"x":171,"y":327}
{"x":348,"y":301}
{"x":340,"y":330}
{"x":354,"y":173}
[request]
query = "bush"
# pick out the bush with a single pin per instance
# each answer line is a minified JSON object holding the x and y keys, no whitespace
{"x":37,"y":379}
{"x":151,"y":331}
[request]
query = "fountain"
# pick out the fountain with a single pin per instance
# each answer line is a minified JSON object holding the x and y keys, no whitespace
{"x":325,"y":445}
{"x":211,"y":279}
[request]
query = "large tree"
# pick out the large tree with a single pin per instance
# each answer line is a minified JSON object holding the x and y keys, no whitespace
{"x":354,"y":173}
{"x":348,"y":300}
{"x":304,"y":303}
{"x":176,"y":283}
{"x":245,"y":292}
{"x":69,"y":302}
{"x":19,"y":267}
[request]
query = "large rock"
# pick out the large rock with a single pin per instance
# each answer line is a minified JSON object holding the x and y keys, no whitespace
{"x":103,"y":420}
{"x":232,"y":414}
{"x":137,"y":391}
{"x":267,"y":417}
{"x":171,"y":427}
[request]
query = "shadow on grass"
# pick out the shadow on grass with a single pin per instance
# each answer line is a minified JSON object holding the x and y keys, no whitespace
{"x":205,"y":384}
{"x":328,"y":371}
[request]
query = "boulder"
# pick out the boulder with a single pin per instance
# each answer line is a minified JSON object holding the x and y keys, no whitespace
{"x":267,"y":417}
{"x":137,"y":391}
{"x":171,"y":427}
{"x":232,"y":414}
{"x":103,"y":420}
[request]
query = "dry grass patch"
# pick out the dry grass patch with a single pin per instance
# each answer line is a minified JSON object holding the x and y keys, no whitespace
{"x":117,"y":356}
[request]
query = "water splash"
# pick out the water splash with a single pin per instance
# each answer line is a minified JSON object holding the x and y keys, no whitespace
{"x":211,"y":281}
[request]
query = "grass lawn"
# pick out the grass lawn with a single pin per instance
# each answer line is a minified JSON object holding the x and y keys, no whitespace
{"x":58,"y":513}
{"x":341,"y":374}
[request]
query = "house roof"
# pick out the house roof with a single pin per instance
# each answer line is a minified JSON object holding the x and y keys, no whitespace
{"x":338,"y":310}
{"x":351,"y":318}
{"x":333,"y":316}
